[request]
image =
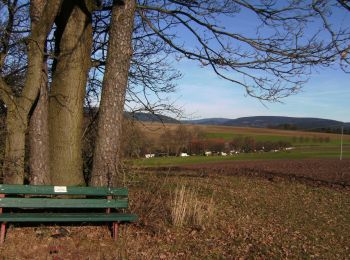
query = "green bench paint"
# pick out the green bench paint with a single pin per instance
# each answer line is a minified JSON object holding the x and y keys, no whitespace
{"x":81,"y":201}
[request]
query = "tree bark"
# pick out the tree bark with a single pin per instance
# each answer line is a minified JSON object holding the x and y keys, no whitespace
{"x":107,"y":146}
{"x":66,"y":100}
{"x":39,"y":136}
{"x":42,"y":15}
{"x":16,"y":125}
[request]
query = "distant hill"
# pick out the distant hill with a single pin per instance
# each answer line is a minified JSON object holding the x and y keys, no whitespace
{"x":139,"y":116}
{"x":207,"y":121}
{"x":279,"y":122}
{"x":148,"y":117}
{"x":276,"y":122}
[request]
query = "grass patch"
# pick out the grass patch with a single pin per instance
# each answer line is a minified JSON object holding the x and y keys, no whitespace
{"x":188,"y":208}
{"x":257,"y":137}
{"x":334,"y":140}
{"x":299,"y":153}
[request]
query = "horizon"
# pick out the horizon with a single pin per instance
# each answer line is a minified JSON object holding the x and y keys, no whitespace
{"x":201,"y":94}
{"x":265,"y":116}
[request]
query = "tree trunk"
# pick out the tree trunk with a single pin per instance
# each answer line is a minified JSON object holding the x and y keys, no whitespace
{"x":66,"y":101}
{"x":18,"y":108}
{"x":107,"y":146}
{"x":16,"y":125}
{"x":39,"y":136}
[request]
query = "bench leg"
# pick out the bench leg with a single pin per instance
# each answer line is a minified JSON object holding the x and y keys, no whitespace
{"x":115,"y":230}
{"x":3,"y":231}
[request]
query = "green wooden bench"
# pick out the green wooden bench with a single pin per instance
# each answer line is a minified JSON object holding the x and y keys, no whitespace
{"x":91,"y":204}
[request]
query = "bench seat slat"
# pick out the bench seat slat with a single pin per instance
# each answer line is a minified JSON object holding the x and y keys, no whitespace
{"x":54,"y":190}
{"x":67,"y":217}
{"x":62,"y":203}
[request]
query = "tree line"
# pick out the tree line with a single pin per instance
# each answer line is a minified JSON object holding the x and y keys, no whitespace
{"x":190,"y":140}
{"x":331,"y":130}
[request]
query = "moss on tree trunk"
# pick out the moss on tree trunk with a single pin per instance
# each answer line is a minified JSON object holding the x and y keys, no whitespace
{"x":73,"y":47}
{"x":13,"y":167}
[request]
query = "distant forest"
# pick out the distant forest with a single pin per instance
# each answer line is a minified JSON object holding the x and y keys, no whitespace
{"x":332,"y":130}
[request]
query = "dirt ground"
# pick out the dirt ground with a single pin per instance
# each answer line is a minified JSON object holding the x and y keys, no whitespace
{"x":324,"y":172}
{"x":261,"y":210}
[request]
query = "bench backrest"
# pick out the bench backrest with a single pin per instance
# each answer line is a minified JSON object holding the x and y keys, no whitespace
{"x":96,"y":197}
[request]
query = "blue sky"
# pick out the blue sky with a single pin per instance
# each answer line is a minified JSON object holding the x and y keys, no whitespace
{"x":202,"y":94}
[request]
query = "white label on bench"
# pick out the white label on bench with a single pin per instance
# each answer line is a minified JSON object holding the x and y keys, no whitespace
{"x":60,"y":188}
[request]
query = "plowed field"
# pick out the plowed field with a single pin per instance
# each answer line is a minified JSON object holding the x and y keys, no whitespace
{"x":325,"y":171}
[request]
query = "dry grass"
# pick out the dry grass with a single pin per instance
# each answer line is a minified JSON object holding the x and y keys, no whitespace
{"x":253,"y":219}
{"x":188,"y":209}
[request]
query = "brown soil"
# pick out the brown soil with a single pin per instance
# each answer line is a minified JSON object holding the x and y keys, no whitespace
{"x":253,"y":218}
{"x":319,"y":172}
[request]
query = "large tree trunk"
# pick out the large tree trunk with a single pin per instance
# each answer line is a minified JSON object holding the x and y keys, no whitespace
{"x":66,"y":102}
{"x":16,"y":125}
{"x":107,"y":146}
{"x":39,"y":136}
{"x":18,"y":108}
